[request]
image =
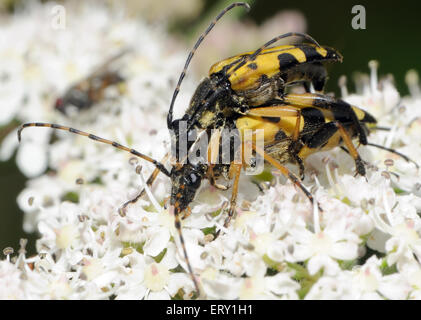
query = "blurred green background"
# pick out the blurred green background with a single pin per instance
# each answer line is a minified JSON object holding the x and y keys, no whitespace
{"x":392,"y":36}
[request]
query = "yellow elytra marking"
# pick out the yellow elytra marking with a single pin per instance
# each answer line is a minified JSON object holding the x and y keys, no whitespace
{"x":218,"y":66}
{"x":304,"y":100}
{"x":274,"y":111}
{"x":286,"y":124}
{"x":254,"y":123}
{"x":298,"y":54}
{"x":358,"y":112}
{"x":246,"y":78}
{"x":267,"y":63}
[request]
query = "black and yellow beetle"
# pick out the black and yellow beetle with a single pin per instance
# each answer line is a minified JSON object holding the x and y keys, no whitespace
{"x":251,"y":79}
{"x":259,"y":76}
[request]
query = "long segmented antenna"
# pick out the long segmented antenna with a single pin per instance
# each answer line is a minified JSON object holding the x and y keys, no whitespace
{"x":157,"y":164}
{"x":270,"y":42}
{"x":190,"y":56}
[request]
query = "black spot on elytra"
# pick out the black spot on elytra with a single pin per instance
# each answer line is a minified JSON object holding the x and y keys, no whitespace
{"x":286,"y":60}
{"x":272,"y":119}
{"x":252,"y":66}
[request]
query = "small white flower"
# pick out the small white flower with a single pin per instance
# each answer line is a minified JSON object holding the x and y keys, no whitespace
{"x":405,"y":241}
{"x":148,"y":279}
{"x":322,"y":249}
{"x":331,"y":288}
{"x":274,"y":287}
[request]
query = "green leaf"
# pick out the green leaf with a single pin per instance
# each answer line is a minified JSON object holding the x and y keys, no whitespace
{"x":304,"y":278}
{"x":266,"y":175}
{"x":210,"y":230}
{"x":71,"y":196}
{"x":179,"y":295}
{"x":398,"y":190}
{"x":137,"y":246}
{"x":386,"y":269}
{"x":273,"y":266}
{"x":97,"y":180}
{"x":160,"y":256}
{"x":346,"y":200}
{"x":347,"y":264}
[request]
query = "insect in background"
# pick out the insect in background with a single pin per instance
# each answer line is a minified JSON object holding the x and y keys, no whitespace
{"x":296,"y":124}
{"x":90,"y":90}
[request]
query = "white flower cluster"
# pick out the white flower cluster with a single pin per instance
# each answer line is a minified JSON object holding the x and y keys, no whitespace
{"x":364,"y":245}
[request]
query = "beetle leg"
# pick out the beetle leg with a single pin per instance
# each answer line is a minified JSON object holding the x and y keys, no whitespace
{"x":235,"y":172}
{"x":351,"y":148}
